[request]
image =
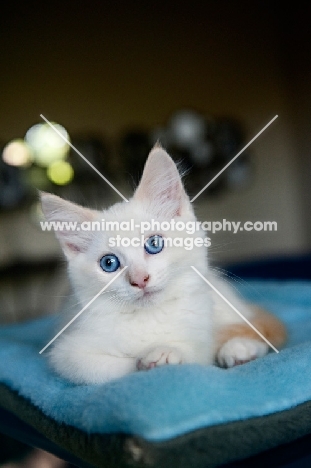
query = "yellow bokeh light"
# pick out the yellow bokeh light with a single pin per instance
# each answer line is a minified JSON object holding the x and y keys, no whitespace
{"x":48,"y":146}
{"x":60,"y":172}
{"x":17,"y":153}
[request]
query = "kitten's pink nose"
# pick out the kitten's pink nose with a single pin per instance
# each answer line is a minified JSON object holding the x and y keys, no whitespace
{"x":139,"y":280}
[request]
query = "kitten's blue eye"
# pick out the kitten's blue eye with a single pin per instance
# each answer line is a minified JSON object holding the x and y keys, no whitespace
{"x":154,"y":244}
{"x":109,"y":263}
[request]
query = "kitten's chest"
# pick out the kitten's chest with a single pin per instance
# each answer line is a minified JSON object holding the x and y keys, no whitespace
{"x":172,"y":322}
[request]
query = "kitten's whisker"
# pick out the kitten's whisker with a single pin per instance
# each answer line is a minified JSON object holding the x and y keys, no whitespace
{"x":226,"y":278}
{"x":240,"y":280}
{"x":222,"y":272}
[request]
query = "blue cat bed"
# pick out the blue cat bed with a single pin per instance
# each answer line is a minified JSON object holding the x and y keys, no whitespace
{"x":182,"y":416}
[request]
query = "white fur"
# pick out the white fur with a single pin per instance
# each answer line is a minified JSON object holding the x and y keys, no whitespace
{"x":239,"y":350}
{"x":125,"y":330}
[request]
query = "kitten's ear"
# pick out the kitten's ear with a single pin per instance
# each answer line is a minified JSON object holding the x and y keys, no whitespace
{"x":57,"y":210}
{"x":161,"y":187}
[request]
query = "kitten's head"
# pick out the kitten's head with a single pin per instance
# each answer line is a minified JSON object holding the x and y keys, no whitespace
{"x":155,"y":271}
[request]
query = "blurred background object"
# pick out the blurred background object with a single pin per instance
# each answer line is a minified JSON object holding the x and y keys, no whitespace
{"x":46,"y":158}
{"x":201,"y":147}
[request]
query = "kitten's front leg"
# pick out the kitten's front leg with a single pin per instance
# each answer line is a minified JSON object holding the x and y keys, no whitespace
{"x":89,"y":367}
{"x":239,"y":343}
{"x":240,"y":350}
{"x":160,"y":356}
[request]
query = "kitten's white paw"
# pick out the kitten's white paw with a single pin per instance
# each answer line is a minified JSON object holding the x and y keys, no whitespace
{"x":160,"y":357}
{"x":240,"y":350}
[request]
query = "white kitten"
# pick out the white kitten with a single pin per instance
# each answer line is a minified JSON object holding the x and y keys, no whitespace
{"x":158,"y":311}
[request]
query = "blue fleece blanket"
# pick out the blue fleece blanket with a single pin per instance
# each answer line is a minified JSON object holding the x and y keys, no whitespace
{"x":166,"y":402}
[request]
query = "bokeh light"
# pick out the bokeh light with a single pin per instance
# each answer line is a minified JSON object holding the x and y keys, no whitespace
{"x":60,"y":172}
{"x":17,"y":153}
{"x":187,"y":128}
{"x":47,"y":145}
